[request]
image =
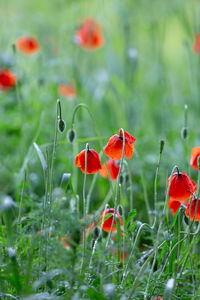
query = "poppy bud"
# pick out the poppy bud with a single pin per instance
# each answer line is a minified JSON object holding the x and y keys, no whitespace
{"x":71,"y":135}
{"x":127,"y":178}
{"x":96,"y":233}
{"x":14,"y":48}
{"x":184,"y":133}
{"x":162,"y":143}
{"x":61,"y":125}
{"x":121,"y":179}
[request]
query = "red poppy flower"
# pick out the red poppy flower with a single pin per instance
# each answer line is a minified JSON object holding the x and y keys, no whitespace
{"x":181,"y":187}
{"x":114,"y":146}
{"x":125,"y":255}
{"x":193,"y":207}
{"x":194,"y":157}
{"x":157,"y":298}
{"x":65,"y":244}
{"x":7,"y":80}
{"x":113,"y":168}
{"x":67,"y":90}
{"x":107,"y":224}
{"x":93,"y":161}
{"x":196,"y":46}
{"x":174,"y":205}
{"x":27,"y":45}
{"x":90,"y":226}
{"x":89,"y":35}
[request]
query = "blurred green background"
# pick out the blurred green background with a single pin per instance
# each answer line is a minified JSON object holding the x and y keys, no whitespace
{"x":140,"y":80}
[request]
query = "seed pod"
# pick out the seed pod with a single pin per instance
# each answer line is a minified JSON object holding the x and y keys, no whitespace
{"x":71,"y":135}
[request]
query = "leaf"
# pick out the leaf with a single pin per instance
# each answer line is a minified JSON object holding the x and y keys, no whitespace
{"x":132,"y":227}
{"x":66,"y":183}
{"x":41,"y":157}
{"x":131,"y":216}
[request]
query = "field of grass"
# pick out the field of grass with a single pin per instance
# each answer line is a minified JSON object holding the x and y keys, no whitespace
{"x":145,"y":80}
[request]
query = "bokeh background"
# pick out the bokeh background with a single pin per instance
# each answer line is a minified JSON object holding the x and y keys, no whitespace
{"x":140,"y":80}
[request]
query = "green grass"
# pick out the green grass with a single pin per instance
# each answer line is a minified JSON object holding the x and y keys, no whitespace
{"x":145,"y":96}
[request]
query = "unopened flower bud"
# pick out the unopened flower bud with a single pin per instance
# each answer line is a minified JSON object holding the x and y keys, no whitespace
{"x":96,"y":232}
{"x":71,"y":135}
{"x":14,"y":48}
{"x":121,"y":179}
{"x":61,"y":125}
{"x":184,"y":133}
{"x":162,"y":143}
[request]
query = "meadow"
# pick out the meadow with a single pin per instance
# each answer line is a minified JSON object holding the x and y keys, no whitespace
{"x":120,"y":81}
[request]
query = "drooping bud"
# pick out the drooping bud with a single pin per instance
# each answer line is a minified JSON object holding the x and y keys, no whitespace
{"x":96,"y":232}
{"x":71,"y":135}
{"x":184,"y":133}
{"x":61,"y":125}
{"x":184,"y":130}
{"x":162,"y":143}
{"x":14,"y":48}
{"x":121,"y":179}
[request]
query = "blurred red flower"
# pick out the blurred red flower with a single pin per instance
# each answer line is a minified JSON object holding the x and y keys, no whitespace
{"x":7,"y":80}
{"x":181,"y":187}
{"x":93,"y":161}
{"x":193,"y":207}
{"x":107,"y":224}
{"x":89,"y":35}
{"x":114,"y":146}
{"x":194,"y":157}
{"x":27,"y":45}
{"x":67,"y":90}
{"x":125,"y":255}
{"x":113,"y":168}
{"x":196,"y":45}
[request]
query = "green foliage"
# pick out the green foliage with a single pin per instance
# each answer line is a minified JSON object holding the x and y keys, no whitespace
{"x":140,"y":80}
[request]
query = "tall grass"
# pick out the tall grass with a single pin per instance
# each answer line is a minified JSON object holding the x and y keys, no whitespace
{"x":145,"y":80}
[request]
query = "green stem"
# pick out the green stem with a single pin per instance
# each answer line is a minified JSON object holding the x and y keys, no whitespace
{"x":116,"y":195}
{"x":84,"y":206}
